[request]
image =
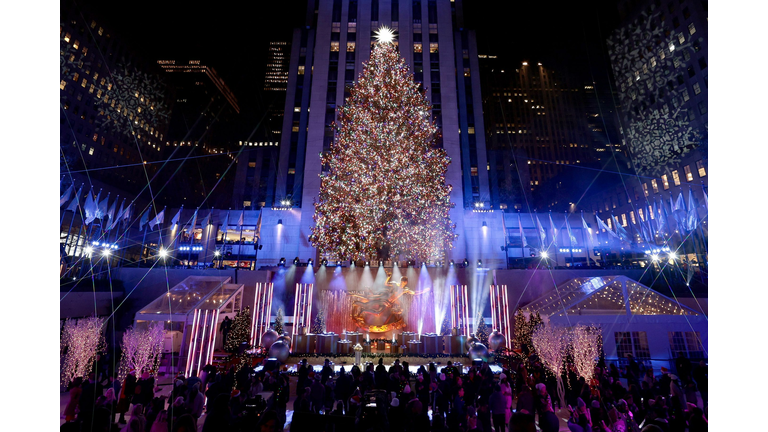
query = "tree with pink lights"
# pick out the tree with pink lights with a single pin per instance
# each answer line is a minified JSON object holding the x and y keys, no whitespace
{"x":81,"y":340}
{"x":142,"y":349}
{"x":586,"y":341}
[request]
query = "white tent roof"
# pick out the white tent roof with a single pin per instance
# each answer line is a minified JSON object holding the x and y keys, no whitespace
{"x":610,"y":295}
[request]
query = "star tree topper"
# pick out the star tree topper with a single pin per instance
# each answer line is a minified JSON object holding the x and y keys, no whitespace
{"x":385,"y":35}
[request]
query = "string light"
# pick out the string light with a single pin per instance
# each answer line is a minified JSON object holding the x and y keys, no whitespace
{"x":141,"y":349}
{"x":586,"y":341}
{"x":551,"y":343}
{"x":385,"y":184}
{"x":81,"y":340}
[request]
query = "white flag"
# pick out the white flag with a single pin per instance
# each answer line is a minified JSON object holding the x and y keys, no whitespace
{"x":571,"y":238}
{"x":144,"y":218}
{"x":241,"y":219}
{"x":602,"y":225}
{"x":113,"y":221}
{"x":91,"y":207}
{"x":176,"y":218}
{"x":542,"y":233}
{"x":65,"y":197}
{"x":225,"y":224}
{"x":522,"y":233}
{"x":692,"y":220}
{"x":554,"y":230}
{"x":75,"y":202}
{"x":206,"y":221}
{"x":586,"y":228}
{"x":191,"y":227}
{"x":101,"y":212}
{"x":157,"y":220}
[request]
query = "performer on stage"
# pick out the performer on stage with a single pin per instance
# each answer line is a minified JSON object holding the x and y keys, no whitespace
{"x":381,"y":311}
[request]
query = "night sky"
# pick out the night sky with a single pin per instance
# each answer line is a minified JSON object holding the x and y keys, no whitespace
{"x":232,"y":36}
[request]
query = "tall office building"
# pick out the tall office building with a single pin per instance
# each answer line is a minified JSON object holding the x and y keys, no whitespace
{"x":659,"y":60}
{"x":278,"y":61}
{"x":115,"y":106}
{"x":326,"y":57}
{"x":541,"y":118}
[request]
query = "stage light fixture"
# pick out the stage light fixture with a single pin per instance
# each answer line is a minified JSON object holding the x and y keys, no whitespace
{"x":163,"y":253}
{"x":338,"y":264}
{"x":216,"y":253}
{"x":282,"y":262}
{"x":309,"y":262}
{"x":672,"y":256}
{"x":545,"y":254}
{"x":452,"y":263}
{"x":466,"y":262}
{"x":88,"y":250}
{"x":296,"y":261}
{"x":367,"y":263}
{"x":381,"y":263}
{"x":105,"y":252}
{"x":485,"y":225}
{"x":479,"y":263}
{"x":324,"y":262}
{"x":279,"y":222}
{"x":655,"y":258}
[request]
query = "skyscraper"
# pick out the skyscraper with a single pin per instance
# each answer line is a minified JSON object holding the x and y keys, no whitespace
{"x":326,"y":57}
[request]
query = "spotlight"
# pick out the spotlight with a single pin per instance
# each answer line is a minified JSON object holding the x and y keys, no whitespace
{"x":452,"y":263}
{"x":324,"y":262}
{"x":672,"y":256}
{"x":367,"y":263}
{"x":485,"y":225}
{"x":88,"y":250}
{"x":309,"y":262}
{"x":338,"y":264}
{"x":105,"y":252}
{"x":282,"y":262}
{"x":655,"y":258}
{"x":545,"y":254}
{"x":381,"y":263}
{"x":279,"y":222}
{"x":163,"y":253}
{"x":296,"y":261}
{"x":216,"y":253}
{"x":479,"y":263}
{"x":466,"y":262}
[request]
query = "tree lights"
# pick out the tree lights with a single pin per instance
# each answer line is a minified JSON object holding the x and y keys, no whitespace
{"x":551,"y":343}
{"x":384,"y":186}
{"x":141,"y":349}
{"x":81,"y":341}
{"x":586,"y":341}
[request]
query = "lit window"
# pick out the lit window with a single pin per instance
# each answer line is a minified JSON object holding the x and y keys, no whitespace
{"x":335,"y":46}
{"x":62,"y":84}
{"x":350,"y":47}
{"x":662,"y":54}
{"x":352,"y":27}
{"x":296,"y":109}
{"x":653,"y":62}
{"x":251,"y":164}
{"x":466,"y":72}
{"x":676,"y":177}
{"x":417,"y":47}
{"x":85,"y":51}
{"x":473,"y":171}
{"x":681,"y":38}
{"x":433,"y":47}
{"x":246,"y":203}
{"x":336,"y":27}
{"x":301,"y":70}
{"x":696,"y":88}
{"x":76,"y":77}
{"x":95,"y":136}
{"x":640,"y":215}
{"x":686,"y":96}
{"x":688,"y":173}
{"x":84,"y":83}
{"x":93,"y":24}
{"x":665,"y":181}
{"x":76,"y":45}
{"x":67,"y":37}
{"x":433,"y":28}
{"x":90,"y":90}
{"x":291,"y":170}
{"x":90,"y":151}
{"x":632,"y":217}
{"x":101,"y":31}
{"x":700,"y":167}
{"x":691,"y":29}
{"x":655,"y":186}
{"x":645,"y":189}
{"x":471,"y":129}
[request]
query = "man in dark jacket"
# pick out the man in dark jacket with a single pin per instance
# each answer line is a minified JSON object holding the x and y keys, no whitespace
{"x":91,"y":390}
{"x":381,"y":376}
{"x":327,"y":372}
{"x":498,"y":406}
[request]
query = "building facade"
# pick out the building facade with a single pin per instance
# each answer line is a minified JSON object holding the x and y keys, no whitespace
{"x":326,"y":58}
{"x":115,"y":107}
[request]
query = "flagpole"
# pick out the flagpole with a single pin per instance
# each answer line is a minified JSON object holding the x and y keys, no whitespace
{"x":207,"y":240}
{"x":126,"y":235}
{"x":569,"y":237}
{"x":144,"y":238}
{"x":584,"y":238}
{"x":240,"y":246}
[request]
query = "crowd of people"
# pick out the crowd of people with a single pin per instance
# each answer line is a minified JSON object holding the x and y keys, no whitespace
{"x":381,"y":398}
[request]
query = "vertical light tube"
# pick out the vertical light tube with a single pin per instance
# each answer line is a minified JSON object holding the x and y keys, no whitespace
{"x":212,"y":345}
{"x":254,"y":316}
{"x":202,"y":342}
{"x":192,"y":341}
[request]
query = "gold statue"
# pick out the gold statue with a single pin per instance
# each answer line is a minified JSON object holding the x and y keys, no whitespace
{"x":380,"y":311}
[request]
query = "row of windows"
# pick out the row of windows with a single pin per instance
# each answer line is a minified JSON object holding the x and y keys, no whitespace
{"x":636,"y":344}
{"x":700,"y":168}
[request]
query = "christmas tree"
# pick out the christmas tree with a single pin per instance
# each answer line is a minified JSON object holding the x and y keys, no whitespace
{"x":240,"y":332}
{"x":383,"y":186}
{"x":278,"y":327}
{"x":482,"y":332}
{"x":445,"y":328}
{"x":318,"y":325}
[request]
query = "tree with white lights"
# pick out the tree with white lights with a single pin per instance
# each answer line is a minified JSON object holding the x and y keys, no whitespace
{"x":551,"y":343}
{"x":586,"y":341}
{"x":383,"y":187}
{"x":81,"y":341}
{"x":142,"y":349}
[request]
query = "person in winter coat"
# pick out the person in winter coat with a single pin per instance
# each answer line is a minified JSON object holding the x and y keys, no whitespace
{"x":74,"y":400}
{"x":498,"y":406}
{"x":194,"y":402}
